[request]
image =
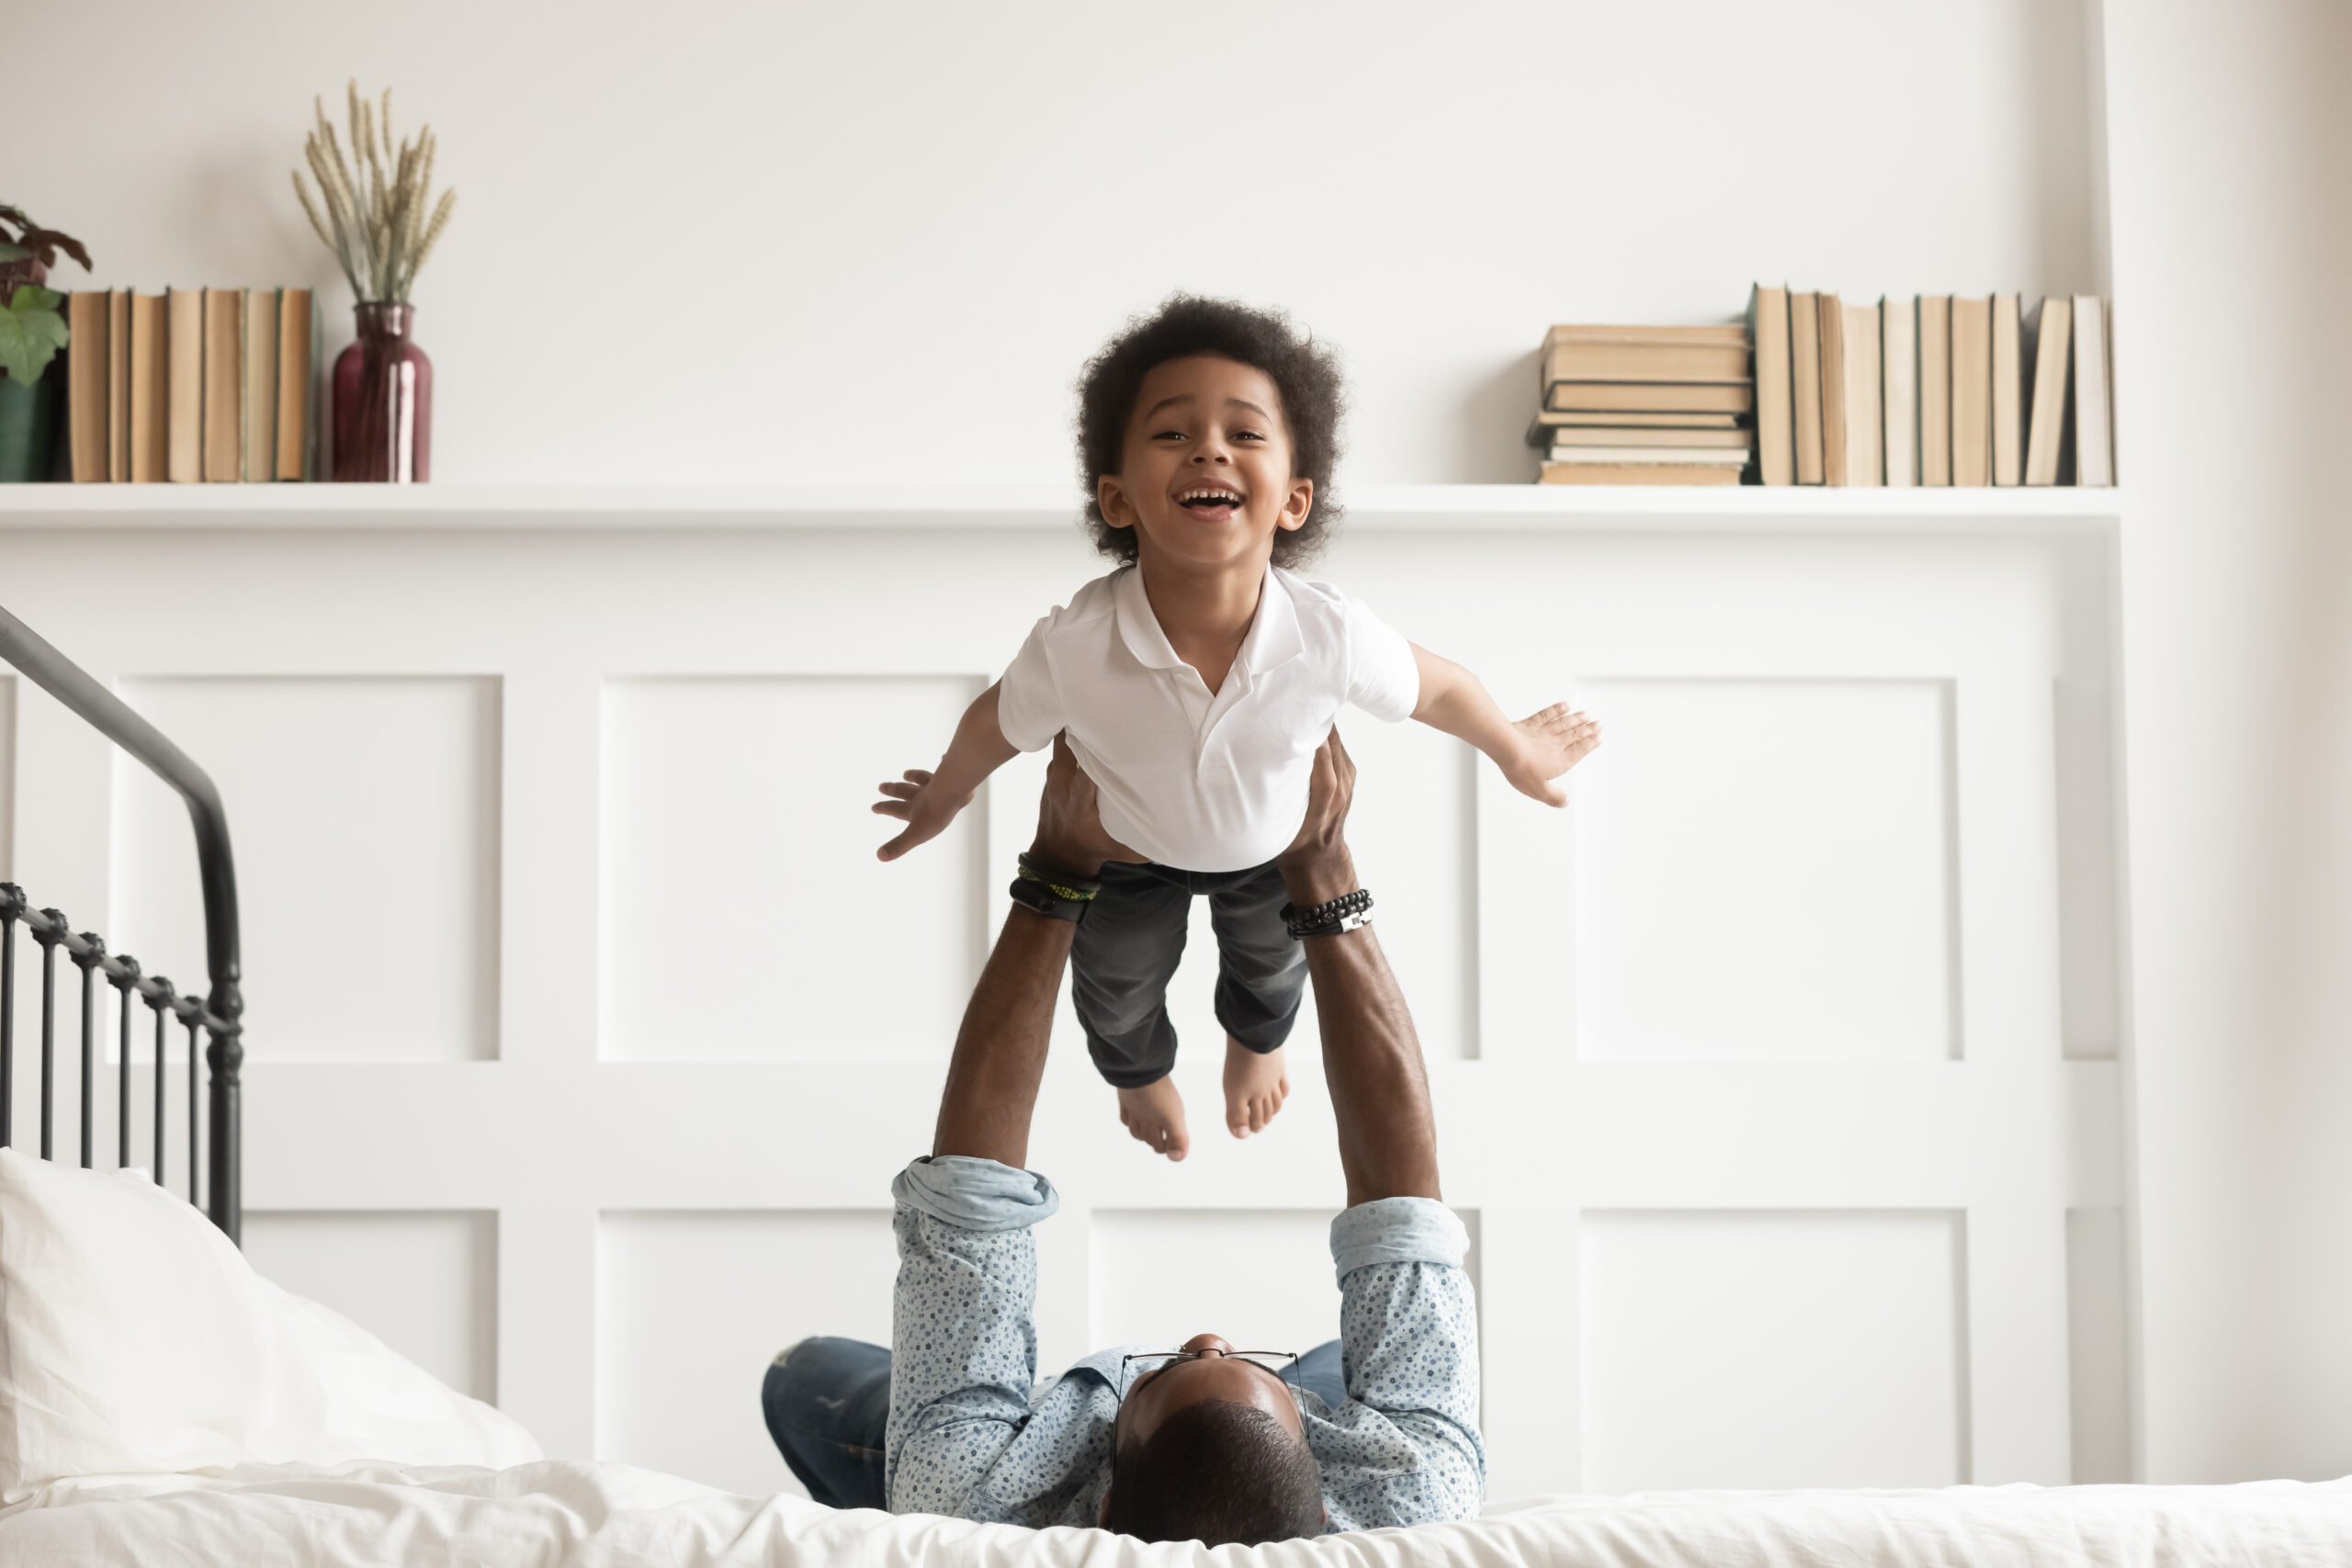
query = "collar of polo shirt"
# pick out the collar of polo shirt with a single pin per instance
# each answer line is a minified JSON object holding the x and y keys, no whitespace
{"x":1273,"y":632}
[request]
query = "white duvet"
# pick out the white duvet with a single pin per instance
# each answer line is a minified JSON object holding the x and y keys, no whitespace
{"x":564,"y":1511}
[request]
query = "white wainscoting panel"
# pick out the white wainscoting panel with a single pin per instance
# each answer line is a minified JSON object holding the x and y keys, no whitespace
{"x":424,"y":1283}
{"x":2098,"y":1357}
{"x":1769,"y":1071}
{"x":689,"y":1303}
{"x":1764,"y":870}
{"x":1766,"y":1349}
{"x":363,"y":813}
{"x":737,"y":834}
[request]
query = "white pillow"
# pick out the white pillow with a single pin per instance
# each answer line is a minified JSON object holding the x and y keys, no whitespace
{"x":134,"y":1339}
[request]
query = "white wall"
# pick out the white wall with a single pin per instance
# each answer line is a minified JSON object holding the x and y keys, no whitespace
{"x":913,"y":205}
{"x":2231,"y":221}
{"x":734,"y":240}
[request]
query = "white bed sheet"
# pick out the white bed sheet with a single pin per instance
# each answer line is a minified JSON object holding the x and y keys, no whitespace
{"x":566,"y":1511}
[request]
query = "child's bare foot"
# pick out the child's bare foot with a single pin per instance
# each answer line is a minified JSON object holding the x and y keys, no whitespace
{"x":1155,"y":1114}
{"x":1255,"y":1086}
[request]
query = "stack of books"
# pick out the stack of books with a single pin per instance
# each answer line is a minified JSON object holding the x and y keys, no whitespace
{"x":212,"y":384}
{"x":1936,"y":389}
{"x":1644,"y":405}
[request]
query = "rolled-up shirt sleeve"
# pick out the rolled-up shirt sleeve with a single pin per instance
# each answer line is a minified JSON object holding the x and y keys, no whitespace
{"x":963,"y":1336}
{"x":1028,"y":703}
{"x":1411,"y":1452}
{"x":1384,"y":678}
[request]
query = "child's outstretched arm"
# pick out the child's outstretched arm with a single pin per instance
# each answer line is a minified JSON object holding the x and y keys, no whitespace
{"x":929,"y":800}
{"x":1531,"y":752}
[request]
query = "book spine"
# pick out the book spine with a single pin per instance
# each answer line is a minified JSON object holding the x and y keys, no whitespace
{"x":86,"y":385}
{"x":150,"y":389}
{"x":183,"y":422}
{"x":2008,"y":391}
{"x":1804,"y":384}
{"x":1865,"y":462}
{"x":1899,"y":339}
{"x":1775,"y":445}
{"x":1836,"y":386}
{"x":1935,"y":390}
{"x":223,"y":388}
{"x":118,"y":386}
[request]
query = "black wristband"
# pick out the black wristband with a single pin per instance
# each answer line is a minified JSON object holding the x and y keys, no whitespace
{"x":1330,"y":918}
{"x":1059,"y":895}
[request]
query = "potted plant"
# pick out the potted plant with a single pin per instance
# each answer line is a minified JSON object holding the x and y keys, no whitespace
{"x":33,"y":330}
{"x":375,"y":221}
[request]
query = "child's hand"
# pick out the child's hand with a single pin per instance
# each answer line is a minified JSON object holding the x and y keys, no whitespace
{"x":926,"y":811}
{"x":1550,"y":743}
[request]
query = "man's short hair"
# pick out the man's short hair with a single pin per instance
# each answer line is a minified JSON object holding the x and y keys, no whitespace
{"x":1216,"y":1472}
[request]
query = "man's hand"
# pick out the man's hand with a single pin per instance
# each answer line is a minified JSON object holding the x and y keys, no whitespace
{"x":922,"y":806}
{"x":1549,"y":744}
{"x":1317,"y":865}
{"x":1070,"y":836}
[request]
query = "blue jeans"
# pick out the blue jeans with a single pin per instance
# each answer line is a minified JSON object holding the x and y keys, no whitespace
{"x":827,"y":1407}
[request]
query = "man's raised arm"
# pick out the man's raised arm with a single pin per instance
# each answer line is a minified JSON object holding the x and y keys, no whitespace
{"x":1372,"y":1058}
{"x":1000,"y":1057}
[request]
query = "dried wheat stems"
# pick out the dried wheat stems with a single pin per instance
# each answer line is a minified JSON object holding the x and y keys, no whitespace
{"x":377,"y":228}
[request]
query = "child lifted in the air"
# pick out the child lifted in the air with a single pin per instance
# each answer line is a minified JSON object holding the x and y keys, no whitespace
{"x":1194,"y":684}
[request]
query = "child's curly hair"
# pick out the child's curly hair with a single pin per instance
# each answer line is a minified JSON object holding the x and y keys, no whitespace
{"x":1307,"y":375}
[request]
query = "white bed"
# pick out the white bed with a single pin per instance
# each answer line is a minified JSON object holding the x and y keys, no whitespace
{"x":242,"y":1425}
{"x":564,"y":1511}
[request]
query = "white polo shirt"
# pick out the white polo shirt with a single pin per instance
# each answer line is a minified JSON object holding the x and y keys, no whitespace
{"x":1190,"y":778}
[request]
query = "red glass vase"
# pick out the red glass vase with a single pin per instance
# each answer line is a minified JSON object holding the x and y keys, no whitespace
{"x":383,"y":401}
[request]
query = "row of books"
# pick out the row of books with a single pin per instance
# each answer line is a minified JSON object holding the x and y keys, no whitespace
{"x":191,"y":385}
{"x":1932,"y":390}
{"x":1645,"y":405}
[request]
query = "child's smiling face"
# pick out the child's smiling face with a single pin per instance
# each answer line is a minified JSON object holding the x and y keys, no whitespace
{"x":1199,"y":423}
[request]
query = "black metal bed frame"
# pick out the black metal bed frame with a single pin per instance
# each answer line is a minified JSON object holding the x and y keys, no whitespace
{"x":217,"y":1013}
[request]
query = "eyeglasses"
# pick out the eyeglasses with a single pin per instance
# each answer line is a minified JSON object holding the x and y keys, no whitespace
{"x":1135,"y":1367}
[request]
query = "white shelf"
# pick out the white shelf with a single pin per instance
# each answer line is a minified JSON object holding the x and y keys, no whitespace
{"x":1569,"y":509}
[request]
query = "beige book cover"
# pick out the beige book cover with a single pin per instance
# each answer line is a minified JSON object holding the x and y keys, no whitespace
{"x":185,"y":420}
{"x":1768,"y":327}
{"x":2047,"y":334}
{"x":1898,"y":316}
{"x":1865,"y":436}
{"x":1935,"y":388}
{"x":2094,"y":443}
{"x":223,"y":384}
{"x":118,"y":386}
{"x":2009,"y":393}
{"x":150,"y":389}
{"x":1635,"y":474}
{"x":1837,"y":430}
{"x":1804,"y":384}
{"x":257,"y":394}
{"x":296,"y":381}
{"x":87,"y":317}
{"x":1972,"y":389}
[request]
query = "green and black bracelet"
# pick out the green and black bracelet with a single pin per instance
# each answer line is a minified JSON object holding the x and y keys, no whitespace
{"x":1054,"y":894}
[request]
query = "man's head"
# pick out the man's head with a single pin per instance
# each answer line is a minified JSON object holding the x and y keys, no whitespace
{"x":1209,"y":391}
{"x":1212,"y":1448}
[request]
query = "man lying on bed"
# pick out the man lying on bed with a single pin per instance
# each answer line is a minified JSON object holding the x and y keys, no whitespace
{"x":1206,"y":1443}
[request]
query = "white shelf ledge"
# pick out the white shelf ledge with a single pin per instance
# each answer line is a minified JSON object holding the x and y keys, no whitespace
{"x":1735,"y":509}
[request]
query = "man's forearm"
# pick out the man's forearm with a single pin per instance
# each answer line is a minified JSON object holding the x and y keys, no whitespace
{"x":1000,"y":1057}
{"x":1372,"y":1057}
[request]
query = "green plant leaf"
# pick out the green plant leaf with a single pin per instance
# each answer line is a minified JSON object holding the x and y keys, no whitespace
{"x":9,"y":253}
{"x":31,"y":331}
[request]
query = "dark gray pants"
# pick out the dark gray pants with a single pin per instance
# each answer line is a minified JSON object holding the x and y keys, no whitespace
{"x":1127,"y":947}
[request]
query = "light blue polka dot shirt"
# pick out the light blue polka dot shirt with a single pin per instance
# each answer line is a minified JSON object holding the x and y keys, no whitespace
{"x":972,"y":1433}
